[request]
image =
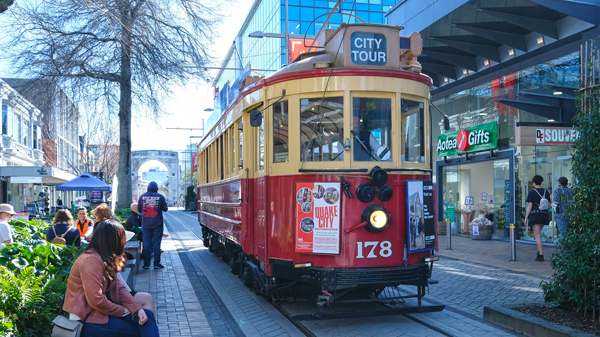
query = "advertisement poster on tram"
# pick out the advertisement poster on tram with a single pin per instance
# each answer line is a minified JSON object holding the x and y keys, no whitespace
{"x":421,"y":215}
{"x":318,"y":218}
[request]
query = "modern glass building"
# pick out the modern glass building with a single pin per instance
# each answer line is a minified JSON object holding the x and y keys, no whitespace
{"x":515,"y":63}
{"x":266,"y":55}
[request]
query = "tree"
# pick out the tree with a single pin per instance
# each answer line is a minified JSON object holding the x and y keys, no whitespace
{"x":115,"y":53}
{"x":575,"y":283}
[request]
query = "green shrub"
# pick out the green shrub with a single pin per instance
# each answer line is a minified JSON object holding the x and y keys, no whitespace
{"x":123,"y":212}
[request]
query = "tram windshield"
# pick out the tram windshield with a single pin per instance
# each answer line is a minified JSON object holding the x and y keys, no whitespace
{"x":321,"y":129}
{"x":372,"y":129}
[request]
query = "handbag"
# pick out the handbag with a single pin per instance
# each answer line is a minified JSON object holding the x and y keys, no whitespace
{"x":64,"y":327}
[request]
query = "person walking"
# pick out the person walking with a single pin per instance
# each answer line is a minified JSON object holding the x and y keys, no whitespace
{"x":95,"y":294}
{"x":63,"y":228}
{"x":6,"y":213}
{"x":152,"y":205}
{"x":85,"y":225}
{"x":563,"y":196}
{"x":538,"y":201}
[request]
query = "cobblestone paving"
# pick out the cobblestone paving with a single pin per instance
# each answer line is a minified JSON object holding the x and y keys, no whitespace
{"x":178,"y":310}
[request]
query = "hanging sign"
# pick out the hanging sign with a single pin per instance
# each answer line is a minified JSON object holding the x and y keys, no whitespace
{"x":25,"y":180}
{"x":368,"y":49}
{"x":318,"y":218}
{"x":421,"y":215}
{"x":477,"y":138}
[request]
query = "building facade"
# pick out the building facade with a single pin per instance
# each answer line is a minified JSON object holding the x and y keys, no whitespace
{"x":57,"y":134}
{"x":266,"y":55}
{"x":514,"y":65}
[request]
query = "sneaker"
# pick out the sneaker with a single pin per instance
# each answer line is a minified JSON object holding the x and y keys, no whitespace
{"x":146,"y":267}
{"x":159,"y":266}
{"x":539,"y":257}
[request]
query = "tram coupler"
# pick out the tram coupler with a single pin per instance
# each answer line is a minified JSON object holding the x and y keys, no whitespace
{"x":325,"y":300}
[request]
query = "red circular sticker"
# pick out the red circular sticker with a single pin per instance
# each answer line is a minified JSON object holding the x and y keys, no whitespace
{"x":462,"y":140}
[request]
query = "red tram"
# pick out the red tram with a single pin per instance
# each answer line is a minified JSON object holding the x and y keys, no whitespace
{"x":304,"y":178}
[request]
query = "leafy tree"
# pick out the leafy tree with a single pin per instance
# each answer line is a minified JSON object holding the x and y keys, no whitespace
{"x":116,"y":54}
{"x":576,"y":280}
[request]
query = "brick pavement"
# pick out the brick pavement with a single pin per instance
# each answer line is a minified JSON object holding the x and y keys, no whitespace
{"x":496,"y":253}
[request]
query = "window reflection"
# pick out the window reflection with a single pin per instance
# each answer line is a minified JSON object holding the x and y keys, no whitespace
{"x":321,"y":129}
{"x":280,"y":132}
{"x":371,"y":124}
{"x":413,"y":131}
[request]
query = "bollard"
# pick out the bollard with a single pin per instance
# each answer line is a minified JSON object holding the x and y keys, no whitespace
{"x":448,"y":235}
{"x":513,"y":243}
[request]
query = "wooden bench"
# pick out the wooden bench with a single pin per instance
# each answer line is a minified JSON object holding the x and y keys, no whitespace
{"x":134,"y":248}
{"x":127,"y":275}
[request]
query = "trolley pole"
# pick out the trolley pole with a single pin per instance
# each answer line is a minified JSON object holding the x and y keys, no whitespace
{"x":448,"y":235}
{"x":513,"y":243}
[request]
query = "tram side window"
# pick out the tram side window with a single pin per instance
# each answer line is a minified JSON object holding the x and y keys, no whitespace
{"x":413,"y":131}
{"x":280,"y":133}
{"x":232,"y":142}
{"x":372,"y":127}
{"x":260,"y":140}
{"x":321,"y":129}
{"x":241,"y":140}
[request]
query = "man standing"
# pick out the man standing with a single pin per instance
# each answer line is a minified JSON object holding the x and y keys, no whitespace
{"x":152,"y":205}
{"x":134,"y":222}
{"x":563,"y":196}
{"x":6,"y":213}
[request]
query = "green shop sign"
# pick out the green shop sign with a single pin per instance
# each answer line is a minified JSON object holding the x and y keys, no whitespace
{"x":477,"y":138}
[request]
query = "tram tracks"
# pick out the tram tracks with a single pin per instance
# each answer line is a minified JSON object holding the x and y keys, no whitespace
{"x":299,"y":324}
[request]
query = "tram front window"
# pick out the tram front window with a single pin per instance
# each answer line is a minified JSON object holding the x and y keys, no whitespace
{"x":372,"y":129}
{"x":321,"y":129}
{"x":413,"y":131}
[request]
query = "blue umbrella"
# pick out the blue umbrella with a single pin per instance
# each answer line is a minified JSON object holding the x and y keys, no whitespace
{"x":85,"y":182}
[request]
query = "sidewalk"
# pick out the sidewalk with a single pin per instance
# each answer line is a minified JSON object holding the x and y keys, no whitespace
{"x":178,"y":310}
{"x":496,"y":253}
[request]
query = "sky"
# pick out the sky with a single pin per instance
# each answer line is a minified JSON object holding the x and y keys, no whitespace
{"x":185,"y":108}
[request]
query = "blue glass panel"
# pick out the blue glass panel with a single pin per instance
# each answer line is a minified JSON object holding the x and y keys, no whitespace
{"x":307,"y":13}
{"x":294,"y":12}
{"x":282,"y":59}
{"x":294,"y":2}
{"x":362,"y":7}
{"x":376,"y":8}
{"x":294,"y":27}
{"x":333,"y":26}
{"x":283,"y":12}
{"x":362,"y":1}
{"x":375,"y":2}
{"x":376,"y":17}
{"x":307,"y":2}
{"x":283,"y":27}
{"x":321,"y":11}
{"x":347,"y":5}
{"x":331,"y":4}
{"x":363,"y":15}
{"x":321,"y":4}
{"x":307,"y":28}
{"x":389,"y":2}
{"x":318,"y":27}
{"x":336,"y":18}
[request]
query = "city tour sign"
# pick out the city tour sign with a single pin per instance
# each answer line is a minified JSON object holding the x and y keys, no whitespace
{"x":368,"y":49}
{"x":477,"y":138}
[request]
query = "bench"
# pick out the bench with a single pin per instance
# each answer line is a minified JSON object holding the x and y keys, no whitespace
{"x":127,"y":275}
{"x":134,"y":248}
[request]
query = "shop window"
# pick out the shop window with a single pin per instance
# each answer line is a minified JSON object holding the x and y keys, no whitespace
{"x":372,"y":127}
{"x":4,"y":119}
{"x":413,"y":131}
{"x":35,"y":136}
{"x":280,"y":133}
{"x":321,"y":129}
{"x":25,"y":133}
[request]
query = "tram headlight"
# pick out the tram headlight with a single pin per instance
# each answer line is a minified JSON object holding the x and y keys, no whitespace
{"x":376,"y":218}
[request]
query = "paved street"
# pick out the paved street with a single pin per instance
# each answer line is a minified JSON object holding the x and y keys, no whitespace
{"x":196,"y":295}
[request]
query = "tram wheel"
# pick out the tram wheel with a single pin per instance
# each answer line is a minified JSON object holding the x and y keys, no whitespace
{"x":226,"y":258}
{"x":211,"y":244}
{"x":206,"y":242}
{"x":248,"y":278}
{"x":235,"y":266}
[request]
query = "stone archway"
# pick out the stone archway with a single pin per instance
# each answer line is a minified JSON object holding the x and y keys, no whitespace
{"x":169,"y":158}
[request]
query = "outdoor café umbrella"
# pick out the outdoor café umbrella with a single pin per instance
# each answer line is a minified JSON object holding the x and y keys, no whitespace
{"x":85,"y":182}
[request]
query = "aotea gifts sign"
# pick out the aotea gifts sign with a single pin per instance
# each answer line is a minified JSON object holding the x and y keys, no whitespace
{"x":477,"y":138}
{"x":318,"y":218}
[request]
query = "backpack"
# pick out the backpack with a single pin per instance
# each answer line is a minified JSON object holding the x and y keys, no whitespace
{"x":59,"y":239}
{"x":544,"y":204}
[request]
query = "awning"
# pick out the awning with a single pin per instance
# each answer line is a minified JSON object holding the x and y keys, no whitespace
{"x":48,"y":175}
{"x":85,"y":182}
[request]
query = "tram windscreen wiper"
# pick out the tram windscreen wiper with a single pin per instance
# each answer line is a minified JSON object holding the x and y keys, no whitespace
{"x":363,"y":145}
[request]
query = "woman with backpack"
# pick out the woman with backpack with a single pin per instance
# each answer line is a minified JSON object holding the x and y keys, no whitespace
{"x":63,"y":231}
{"x":96,"y":296}
{"x":538,"y":201}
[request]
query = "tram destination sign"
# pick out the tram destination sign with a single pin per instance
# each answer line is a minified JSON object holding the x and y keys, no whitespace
{"x":477,"y":138}
{"x":368,"y":49}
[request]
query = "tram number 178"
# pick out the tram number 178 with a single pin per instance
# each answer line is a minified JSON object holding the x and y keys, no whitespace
{"x":384,"y":251}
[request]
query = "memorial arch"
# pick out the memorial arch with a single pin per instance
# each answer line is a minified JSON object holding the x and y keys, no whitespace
{"x":168,"y":158}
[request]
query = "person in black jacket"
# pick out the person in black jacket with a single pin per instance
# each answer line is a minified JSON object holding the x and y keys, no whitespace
{"x":534,"y":216}
{"x":134,"y":222}
{"x":152,"y":204}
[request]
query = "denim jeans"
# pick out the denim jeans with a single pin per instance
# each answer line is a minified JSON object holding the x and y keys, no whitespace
{"x":127,"y":326}
{"x":152,"y":239}
{"x":562,"y":225}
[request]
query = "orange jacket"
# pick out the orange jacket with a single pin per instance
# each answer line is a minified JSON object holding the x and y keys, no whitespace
{"x":86,"y":292}
{"x":83,"y":228}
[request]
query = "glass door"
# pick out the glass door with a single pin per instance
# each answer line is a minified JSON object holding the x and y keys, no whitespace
{"x":501,"y":199}
{"x":451,"y":197}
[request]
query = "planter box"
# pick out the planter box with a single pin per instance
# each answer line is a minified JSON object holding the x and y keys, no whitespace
{"x":485,"y":232}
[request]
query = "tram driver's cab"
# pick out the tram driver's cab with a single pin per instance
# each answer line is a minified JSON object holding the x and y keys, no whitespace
{"x":371,"y":124}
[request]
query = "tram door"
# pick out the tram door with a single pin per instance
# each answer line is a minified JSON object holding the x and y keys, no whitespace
{"x":260,"y":191}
